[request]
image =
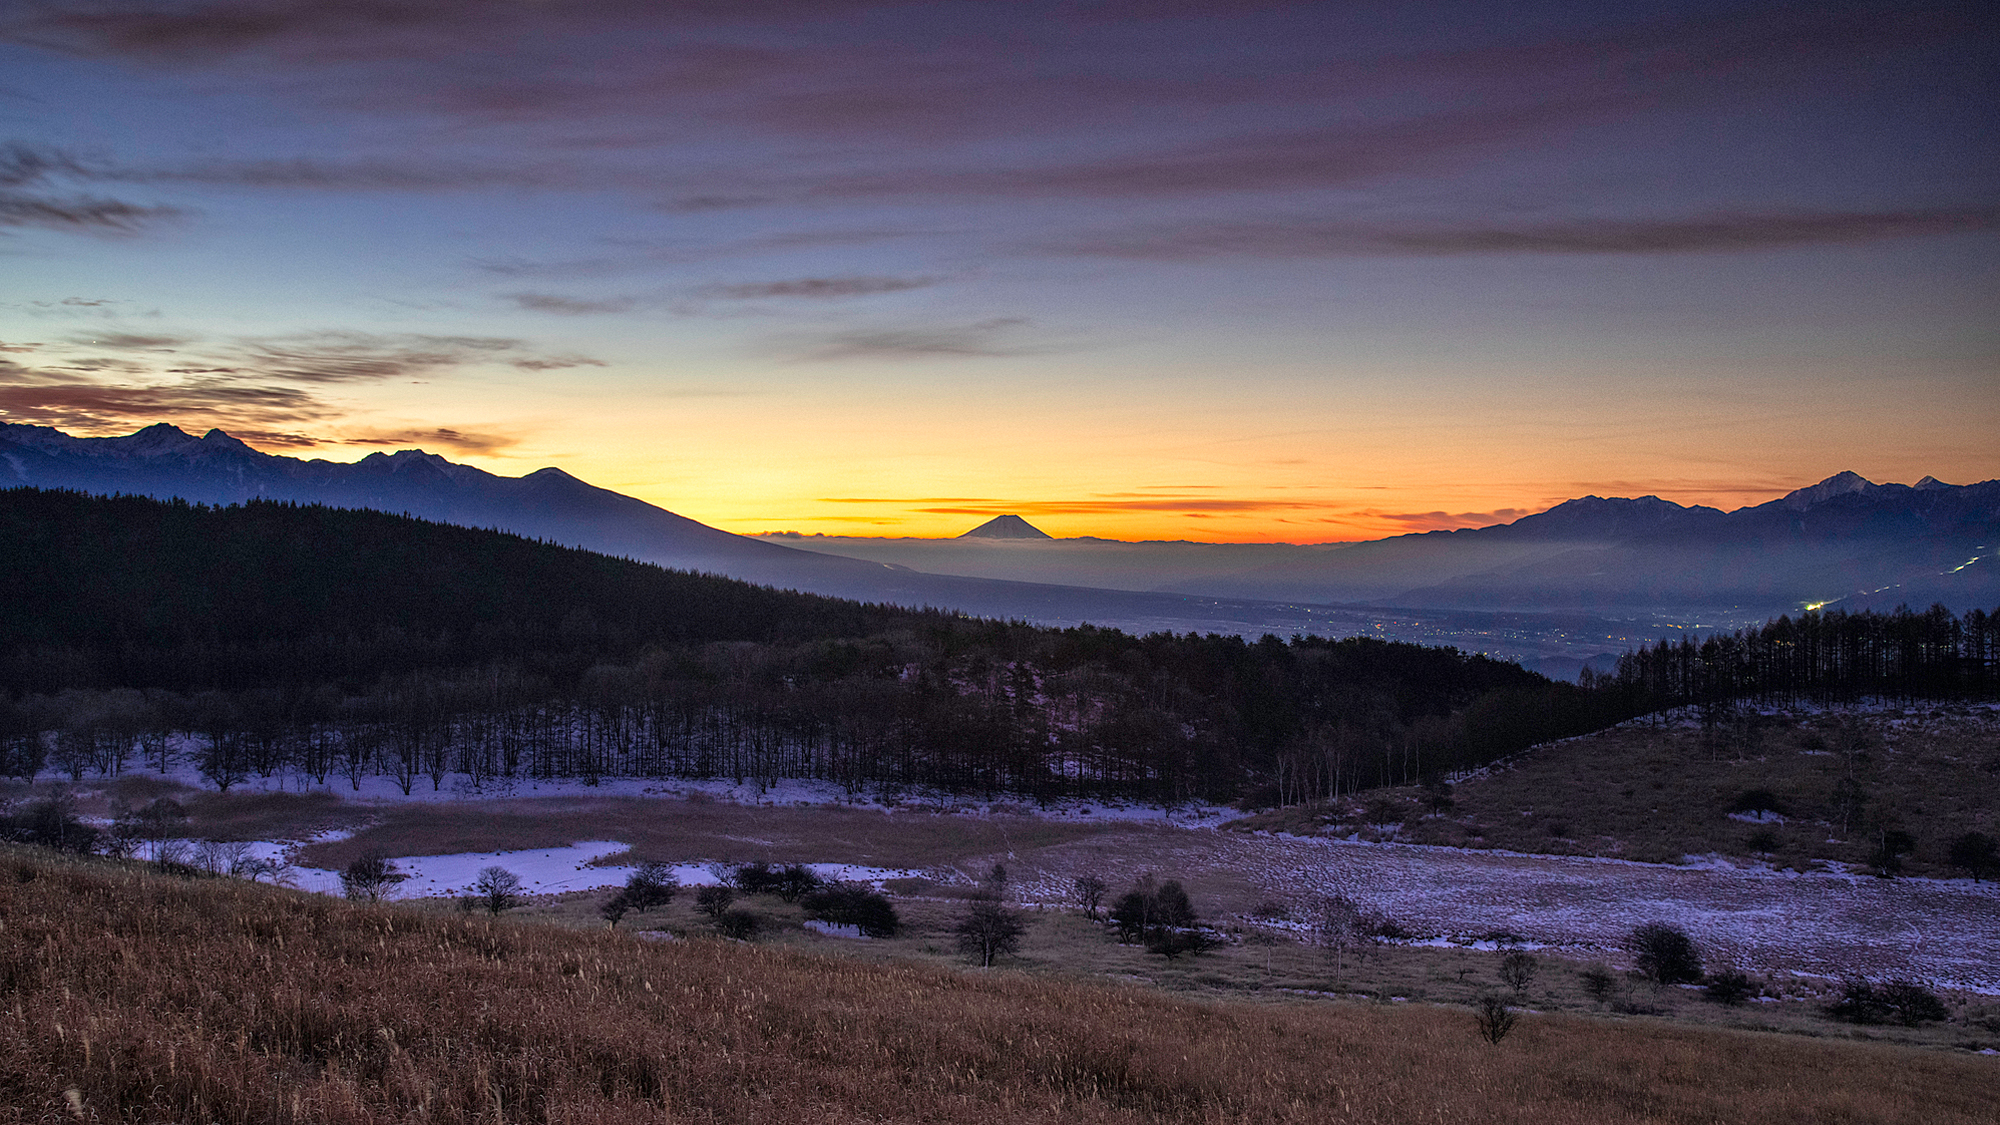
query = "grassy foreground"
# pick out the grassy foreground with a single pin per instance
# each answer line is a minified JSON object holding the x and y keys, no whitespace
{"x":129,"y":996}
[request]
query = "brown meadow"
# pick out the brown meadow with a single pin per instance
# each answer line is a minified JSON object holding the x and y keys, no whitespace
{"x":131,"y":996}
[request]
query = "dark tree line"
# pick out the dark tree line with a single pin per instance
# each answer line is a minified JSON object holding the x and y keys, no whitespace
{"x":342,"y":644}
{"x":1826,"y":658}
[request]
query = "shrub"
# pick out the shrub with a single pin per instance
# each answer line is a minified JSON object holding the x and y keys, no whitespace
{"x":1088,"y":893}
{"x":1665,"y":954}
{"x":1598,"y":982}
{"x":756,"y":879}
{"x":795,"y":881}
{"x":740,"y":925}
{"x":1891,"y":845}
{"x":1974,"y":853}
{"x":650,"y":885}
{"x":1904,"y":1001}
{"x":712,"y":901}
{"x":866,"y":910}
{"x":51,"y":823}
{"x":1757,"y":802}
{"x":1729,"y":987}
{"x":1161,"y":917}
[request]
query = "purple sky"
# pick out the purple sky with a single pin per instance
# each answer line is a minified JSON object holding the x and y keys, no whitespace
{"x":1173,"y":269}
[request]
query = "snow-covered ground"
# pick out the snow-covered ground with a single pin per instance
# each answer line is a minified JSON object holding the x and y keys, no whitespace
{"x":541,"y":870}
{"x":1944,"y":932}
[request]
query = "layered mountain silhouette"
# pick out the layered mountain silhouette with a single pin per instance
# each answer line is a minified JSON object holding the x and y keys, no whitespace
{"x":164,"y":462}
{"x":1846,"y":542}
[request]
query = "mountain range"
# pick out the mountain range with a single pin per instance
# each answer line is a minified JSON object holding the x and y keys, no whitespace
{"x":1601,"y":563}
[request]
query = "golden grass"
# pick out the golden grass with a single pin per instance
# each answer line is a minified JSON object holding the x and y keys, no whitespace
{"x":126,"y":996}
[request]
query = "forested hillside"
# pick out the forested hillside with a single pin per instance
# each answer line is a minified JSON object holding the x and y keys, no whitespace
{"x":279,"y":637}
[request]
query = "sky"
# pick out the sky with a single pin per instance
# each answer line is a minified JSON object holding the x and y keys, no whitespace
{"x":1222,"y":270}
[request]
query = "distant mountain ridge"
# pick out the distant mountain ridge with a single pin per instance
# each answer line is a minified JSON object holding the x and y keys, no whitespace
{"x":163,"y":461}
{"x":1845,"y":541}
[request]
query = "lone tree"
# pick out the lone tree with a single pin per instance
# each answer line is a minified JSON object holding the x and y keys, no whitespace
{"x":498,"y":889}
{"x":1665,"y":954}
{"x":1518,"y":968}
{"x":1495,"y":1019}
{"x":1339,"y":924}
{"x":1088,"y":893}
{"x":988,"y":930}
{"x":371,"y":878}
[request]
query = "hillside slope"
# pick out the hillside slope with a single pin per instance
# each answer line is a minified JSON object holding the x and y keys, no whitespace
{"x":140,"y":997}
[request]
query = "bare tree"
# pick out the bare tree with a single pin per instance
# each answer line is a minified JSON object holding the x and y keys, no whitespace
{"x":714,"y":901}
{"x":1088,"y":893}
{"x":988,"y":930}
{"x":1337,"y":924}
{"x":372,"y":878}
{"x":1495,"y":1019}
{"x":498,"y":889}
{"x":1518,"y":968}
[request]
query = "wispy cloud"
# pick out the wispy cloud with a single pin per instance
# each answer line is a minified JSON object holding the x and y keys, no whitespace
{"x":983,"y":339}
{"x":1724,"y":232}
{"x":817,"y":288}
{"x":571,"y":306}
{"x":31,"y":198}
{"x":130,"y":340}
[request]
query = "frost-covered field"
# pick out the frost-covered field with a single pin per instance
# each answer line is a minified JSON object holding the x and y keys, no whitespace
{"x":1945,"y":932}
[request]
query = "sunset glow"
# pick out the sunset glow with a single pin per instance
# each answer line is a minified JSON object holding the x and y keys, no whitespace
{"x":1141,"y":270}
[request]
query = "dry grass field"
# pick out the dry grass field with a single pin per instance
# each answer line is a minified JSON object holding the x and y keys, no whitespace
{"x":133,"y":997}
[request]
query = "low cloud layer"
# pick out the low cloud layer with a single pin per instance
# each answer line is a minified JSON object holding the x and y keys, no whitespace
{"x":269,"y":389}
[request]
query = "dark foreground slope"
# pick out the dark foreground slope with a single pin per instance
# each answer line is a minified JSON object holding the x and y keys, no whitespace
{"x":141,"y":998}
